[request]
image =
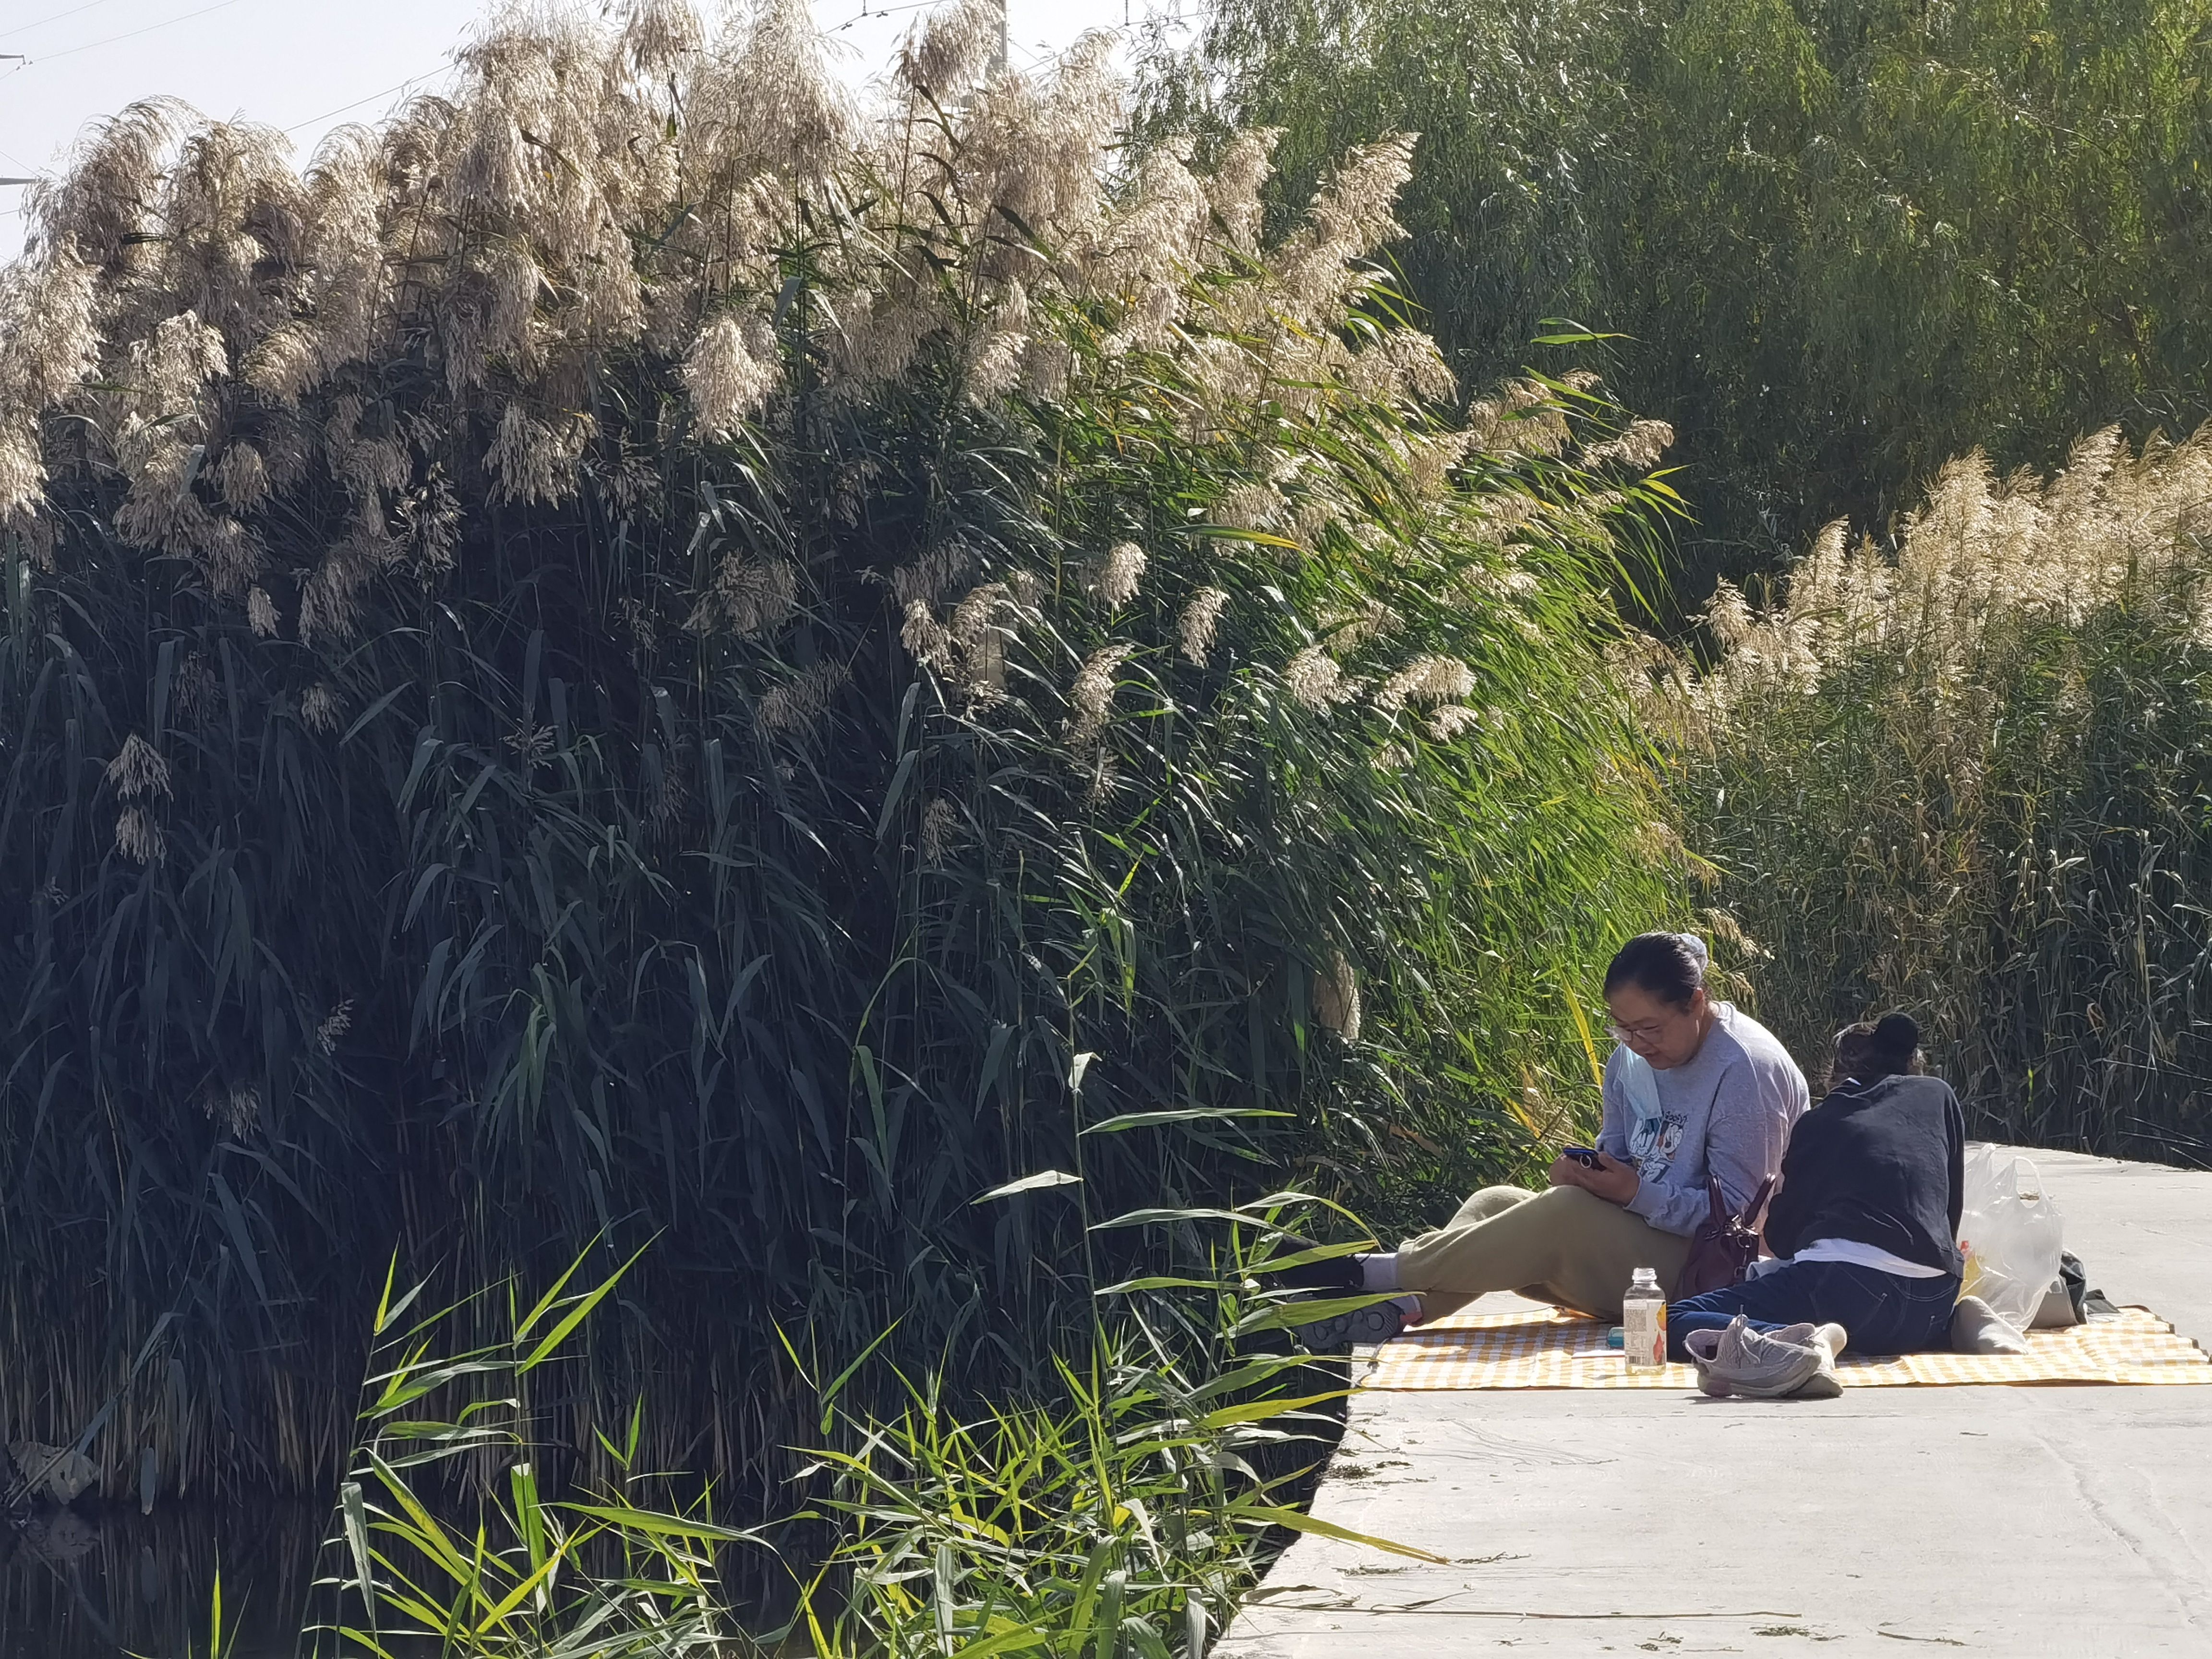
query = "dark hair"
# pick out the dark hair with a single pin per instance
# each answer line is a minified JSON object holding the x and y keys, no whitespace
{"x":1670,"y":967}
{"x":1873,"y":1049}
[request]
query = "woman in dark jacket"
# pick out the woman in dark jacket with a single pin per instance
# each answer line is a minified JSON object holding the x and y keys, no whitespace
{"x":1865,"y":1224}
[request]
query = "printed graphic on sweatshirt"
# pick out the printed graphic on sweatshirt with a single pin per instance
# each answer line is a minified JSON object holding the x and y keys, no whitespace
{"x":1654,"y":1141}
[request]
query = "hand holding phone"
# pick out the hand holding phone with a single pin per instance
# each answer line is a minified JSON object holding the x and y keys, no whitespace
{"x":1585,"y":1156}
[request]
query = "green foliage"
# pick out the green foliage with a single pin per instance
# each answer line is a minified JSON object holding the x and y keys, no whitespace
{"x":1121,"y":1514}
{"x":613,"y":1574}
{"x":1124,"y":1512}
{"x":1847,"y":240}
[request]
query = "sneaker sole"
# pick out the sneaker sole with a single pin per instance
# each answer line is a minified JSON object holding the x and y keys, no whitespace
{"x":1362,"y":1327}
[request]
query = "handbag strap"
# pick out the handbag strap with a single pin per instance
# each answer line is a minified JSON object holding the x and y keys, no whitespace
{"x":1754,"y":1213}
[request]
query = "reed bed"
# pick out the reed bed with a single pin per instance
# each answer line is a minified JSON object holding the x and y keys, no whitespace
{"x":641,"y":652}
{"x":1969,"y":776}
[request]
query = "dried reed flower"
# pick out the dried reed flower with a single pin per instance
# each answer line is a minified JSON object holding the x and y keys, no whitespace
{"x":235,"y":1108}
{"x":1336,"y":995}
{"x":1249,"y":506}
{"x":138,"y":770}
{"x":318,"y":708}
{"x":197,"y":689}
{"x":732,"y":371}
{"x":1427,"y":679}
{"x":138,"y":837}
{"x":749,"y":597}
{"x":658,"y":35}
{"x":1313,"y":677}
{"x":261,"y":614}
{"x":531,"y":745}
{"x":283,"y":364}
{"x":1639,"y":448}
{"x":242,"y":476}
{"x":940,"y":831}
{"x":333,"y":1026}
{"x":948,"y":50}
{"x":1979,"y":554}
{"x":1196,"y":625}
{"x":1454,"y":717}
{"x":1247,"y":161}
{"x":929,"y":577}
{"x":924,"y":637}
{"x":22,"y":468}
{"x":535,"y":460}
{"x":1091,"y":697}
{"x":1374,"y":620}
{"x":1118,"y":574}
{"x":976,"y":633}
{"x":794,"y":707}
{"x":1350,"y":215}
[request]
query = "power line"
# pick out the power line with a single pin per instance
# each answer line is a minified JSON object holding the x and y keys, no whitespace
{"x":132,"y":34}
{"x":401,"y":87}
{"x":50,"y":17}
{"x":866,"y":12}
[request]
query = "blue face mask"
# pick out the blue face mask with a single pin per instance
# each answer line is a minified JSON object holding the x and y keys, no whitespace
{"x":1639,"y":1084}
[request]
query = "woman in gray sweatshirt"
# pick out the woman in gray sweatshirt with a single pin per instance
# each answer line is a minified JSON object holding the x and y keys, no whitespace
{"x":1695,"y":1088}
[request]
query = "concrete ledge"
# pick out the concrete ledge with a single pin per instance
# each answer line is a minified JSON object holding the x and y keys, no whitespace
{"x":2058,"y":1519}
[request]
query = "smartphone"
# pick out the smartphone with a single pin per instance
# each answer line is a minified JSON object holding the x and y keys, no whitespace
{"x":1585,"y":1156}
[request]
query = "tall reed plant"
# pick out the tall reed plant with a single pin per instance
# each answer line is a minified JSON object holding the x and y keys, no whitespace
{"x":642,"y":650}
{"x":1970,"y":777}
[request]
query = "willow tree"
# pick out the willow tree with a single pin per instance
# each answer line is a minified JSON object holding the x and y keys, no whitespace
{"x":640,"y":652}
{"x":1845,"y":240}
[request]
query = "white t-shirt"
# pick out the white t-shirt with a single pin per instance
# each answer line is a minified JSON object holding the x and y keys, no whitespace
{"x":1854,"y":1253}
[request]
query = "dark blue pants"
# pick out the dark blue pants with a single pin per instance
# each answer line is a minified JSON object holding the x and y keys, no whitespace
{"x":1884,"y":1313}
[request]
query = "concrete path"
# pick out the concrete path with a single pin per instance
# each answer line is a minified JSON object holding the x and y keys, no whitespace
{"x":2049,"y":1519}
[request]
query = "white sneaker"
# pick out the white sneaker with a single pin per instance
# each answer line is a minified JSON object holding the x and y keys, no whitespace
{"x":1763,"y":1365}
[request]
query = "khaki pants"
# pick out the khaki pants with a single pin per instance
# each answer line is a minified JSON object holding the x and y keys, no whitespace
{"x":1562,"y":1245}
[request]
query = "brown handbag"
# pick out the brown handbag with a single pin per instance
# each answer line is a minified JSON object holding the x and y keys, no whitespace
{"x":1725,"y":1246}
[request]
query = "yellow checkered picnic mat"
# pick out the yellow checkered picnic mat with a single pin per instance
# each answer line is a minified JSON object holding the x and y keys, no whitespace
{"x":1546,"y":1348}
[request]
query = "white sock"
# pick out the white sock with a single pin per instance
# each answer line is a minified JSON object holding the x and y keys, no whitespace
{"x":1410,"y":1305}
{"x":1379,"y":1272}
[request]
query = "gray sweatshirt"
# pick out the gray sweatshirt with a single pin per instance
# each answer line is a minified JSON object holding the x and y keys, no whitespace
{"x":1728,"y":1112}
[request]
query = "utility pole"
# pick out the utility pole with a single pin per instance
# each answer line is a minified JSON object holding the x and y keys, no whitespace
{"x":17,"y":57}
{"x":14,"y":57}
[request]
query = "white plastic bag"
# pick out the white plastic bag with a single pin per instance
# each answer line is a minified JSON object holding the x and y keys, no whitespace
{"x":2009,"y":1232}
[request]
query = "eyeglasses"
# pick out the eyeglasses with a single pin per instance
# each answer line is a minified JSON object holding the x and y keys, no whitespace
{"x":1647,"y":1034}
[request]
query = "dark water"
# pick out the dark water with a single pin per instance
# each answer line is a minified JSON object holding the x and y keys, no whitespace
{"x":98,"y":1582}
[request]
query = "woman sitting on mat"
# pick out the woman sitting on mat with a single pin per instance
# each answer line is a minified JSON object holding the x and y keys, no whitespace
{"x":1696,"y":1088}
{"x":1866,"y":1221}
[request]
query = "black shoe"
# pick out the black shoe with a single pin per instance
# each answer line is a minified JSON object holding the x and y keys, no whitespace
{"x":1335,"y":1275}
{"x":1367,"y":1326}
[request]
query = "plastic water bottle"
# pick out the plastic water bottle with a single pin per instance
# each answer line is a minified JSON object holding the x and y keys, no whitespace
{"x":1643,"y":1322}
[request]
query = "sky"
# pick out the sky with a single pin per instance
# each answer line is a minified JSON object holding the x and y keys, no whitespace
{"x":309,"y":65}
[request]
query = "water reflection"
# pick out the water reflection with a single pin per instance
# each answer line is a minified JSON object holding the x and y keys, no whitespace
{"x":97,"y":1582}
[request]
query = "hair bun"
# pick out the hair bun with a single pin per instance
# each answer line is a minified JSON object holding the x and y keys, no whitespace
{"x":1897,"y":1034}
{"x":1697,"y":950}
